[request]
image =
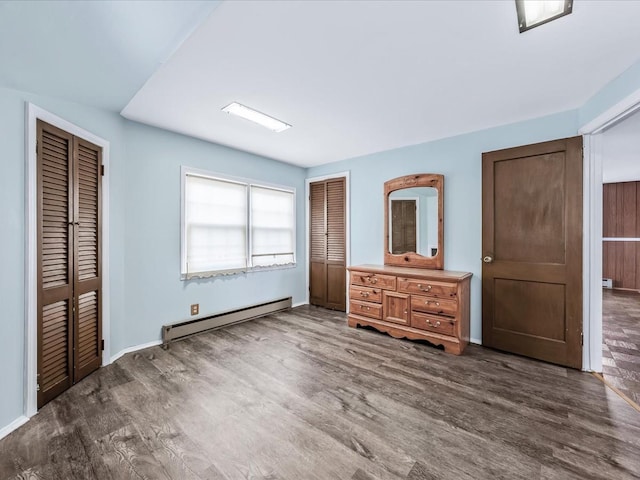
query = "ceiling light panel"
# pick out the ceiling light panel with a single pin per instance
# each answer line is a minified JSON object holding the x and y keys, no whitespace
{"x":260,"y":118}
{"x":533,"y":13}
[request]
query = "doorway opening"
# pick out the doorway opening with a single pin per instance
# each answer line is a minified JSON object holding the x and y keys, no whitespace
{"x":621,"y":256}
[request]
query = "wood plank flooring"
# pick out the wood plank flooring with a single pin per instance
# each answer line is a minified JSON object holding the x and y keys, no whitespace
{"x":299,"y":395}
{"x":621,"y":341}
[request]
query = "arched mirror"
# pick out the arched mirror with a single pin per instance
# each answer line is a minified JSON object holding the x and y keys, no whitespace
{"x":414,"y":226}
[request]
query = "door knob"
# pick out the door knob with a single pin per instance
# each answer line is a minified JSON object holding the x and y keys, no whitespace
{"x":488,"y":259}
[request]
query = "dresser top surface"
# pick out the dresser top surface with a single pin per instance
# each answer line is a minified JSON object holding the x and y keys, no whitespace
{"x":411,"y":272}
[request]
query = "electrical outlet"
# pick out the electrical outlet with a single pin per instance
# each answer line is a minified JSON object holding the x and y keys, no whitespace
{"x":195,"y":309}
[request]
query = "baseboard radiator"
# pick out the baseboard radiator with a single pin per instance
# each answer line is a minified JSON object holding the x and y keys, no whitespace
{"x":176,"y":331}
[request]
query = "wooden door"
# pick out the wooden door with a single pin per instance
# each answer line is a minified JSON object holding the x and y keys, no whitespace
{"x":55,"y":262}
{"x":87,"y":253}
{"x":532,"y":251}
{"x":620,"y":231}
{"x":69,"y":293}
{"x":403,"y":226}
{"x":327,"y":272}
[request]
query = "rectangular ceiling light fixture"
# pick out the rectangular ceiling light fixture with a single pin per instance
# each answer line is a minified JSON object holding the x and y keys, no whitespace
{"x":533,"y":13}
{"x":252,"y":115}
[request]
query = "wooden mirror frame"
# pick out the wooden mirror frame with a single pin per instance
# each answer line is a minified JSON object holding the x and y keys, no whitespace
{"x":412,"y":259}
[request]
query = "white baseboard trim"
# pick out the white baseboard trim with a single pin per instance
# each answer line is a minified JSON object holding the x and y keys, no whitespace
{"x":135,"y":348}
{"x":18,"y":422}
{"x":299,"y":304}
{"x":475,"y":341}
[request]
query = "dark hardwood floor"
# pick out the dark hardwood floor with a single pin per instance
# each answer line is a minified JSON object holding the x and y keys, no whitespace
{"x":621,"y":341}
{"x":299,"y":395}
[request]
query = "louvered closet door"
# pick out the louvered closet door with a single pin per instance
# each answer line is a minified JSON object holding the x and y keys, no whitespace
{"x":87,"y":322}
{"x":336,"y":251}
{"x":327,"y":283}
{"x":55,"y":262}
{"x":69,"y":327}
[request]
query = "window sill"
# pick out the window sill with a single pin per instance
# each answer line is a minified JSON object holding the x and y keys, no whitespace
{"x":225,"y":273}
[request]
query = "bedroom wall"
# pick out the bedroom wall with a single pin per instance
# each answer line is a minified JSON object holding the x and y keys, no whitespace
{"x":624,"y":85}
{"x":144,"y":222}
{"x":459,"y":159}
{"x":155,"y":294}
{"x":145,"y":286}
{"x":105,"y":124}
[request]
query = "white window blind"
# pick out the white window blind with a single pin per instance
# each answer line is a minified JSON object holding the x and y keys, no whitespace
{"x":233,"y":225}
{"x":216,"y":225}
{"x":272,"y":226}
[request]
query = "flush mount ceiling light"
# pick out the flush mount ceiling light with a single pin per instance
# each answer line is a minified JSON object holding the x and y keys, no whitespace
{"x":260,"y":118}
{"x":533,"y":13}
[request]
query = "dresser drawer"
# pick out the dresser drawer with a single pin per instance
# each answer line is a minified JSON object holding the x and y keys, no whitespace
{"x":434,"y":305}
{"x":370,"y":294}
{"x":366,"y":309}
{"x":427,"y":287}
{"x":385,"y":282}
{"x":433,"y":323}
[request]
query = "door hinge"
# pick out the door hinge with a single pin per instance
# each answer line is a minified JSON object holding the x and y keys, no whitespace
{"x":37,"y":148}
{"x":102,"y":170}
{"x":581,"y":338}
{"x":102,"y":345}
{"x":37,"y":387}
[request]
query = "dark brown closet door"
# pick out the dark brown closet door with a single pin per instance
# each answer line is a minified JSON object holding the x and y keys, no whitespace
{"x":327,"y":283}
{"x":55,"y":262}
{"x":69,"y":323}
{"x":87,"y":206}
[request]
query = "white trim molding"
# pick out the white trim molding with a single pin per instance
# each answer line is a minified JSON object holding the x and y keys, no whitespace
{"x":347,"y":206}
{"x":592,"y":225}
{"x":33,"y":113}
{"x":620,"y":239}
{"x":17,"y":423}
{"x":592,"y":255}
{"x":613,"y":115}
{"x":135,"y":348}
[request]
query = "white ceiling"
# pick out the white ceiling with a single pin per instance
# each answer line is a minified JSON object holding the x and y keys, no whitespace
{"x":359,"y":77}
{"x":352,"y":77}
{"x":621,"y":151}
{"x":96,"y":53}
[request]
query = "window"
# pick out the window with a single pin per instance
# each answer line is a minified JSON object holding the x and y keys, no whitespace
{"x":234,"y":225}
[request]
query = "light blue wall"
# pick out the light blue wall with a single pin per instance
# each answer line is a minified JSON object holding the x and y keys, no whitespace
{"x":616,"y":90}
{"x":459,"y":159}
{"x":146,"y":291}
{"x":12,"y":220}
{"x":144,"y":173}
{"x":155,"y":294}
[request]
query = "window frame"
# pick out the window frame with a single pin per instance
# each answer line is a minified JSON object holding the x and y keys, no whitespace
{"x":191,"y":171}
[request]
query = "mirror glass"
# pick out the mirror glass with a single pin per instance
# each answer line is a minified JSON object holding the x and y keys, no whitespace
{"x":413,"y":221}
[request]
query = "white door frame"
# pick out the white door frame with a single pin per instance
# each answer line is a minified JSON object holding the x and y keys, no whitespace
{"x":347,"y":221}
{"x":592,"y":234}
{"x":32,"y":114}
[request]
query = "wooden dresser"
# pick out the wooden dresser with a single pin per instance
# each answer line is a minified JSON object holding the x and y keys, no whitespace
{"x":414,"y":303}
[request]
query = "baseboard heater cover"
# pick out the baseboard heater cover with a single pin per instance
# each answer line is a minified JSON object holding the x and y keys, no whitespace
{"x":176,"y":331}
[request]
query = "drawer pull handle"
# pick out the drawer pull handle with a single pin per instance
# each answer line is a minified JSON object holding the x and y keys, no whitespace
{"x":424,"y":289}
{"x":362,"y":307}
{"x":364,"y":294}
{"x":437,"y":324}
{"x":372,"y":279}
{"x":437,"y":304}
